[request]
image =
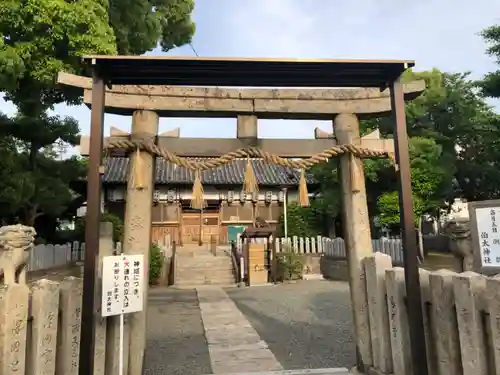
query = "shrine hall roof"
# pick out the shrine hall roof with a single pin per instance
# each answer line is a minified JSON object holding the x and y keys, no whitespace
{"x":228,"y":174}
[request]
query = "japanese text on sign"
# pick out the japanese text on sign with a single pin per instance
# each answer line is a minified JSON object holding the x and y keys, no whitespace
{"x":488,"y":220}
{"x":122,"y":284}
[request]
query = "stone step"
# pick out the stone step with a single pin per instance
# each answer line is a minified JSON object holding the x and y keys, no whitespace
{"x":187,"y":276}
{"x":218,"y":267}
{"x":204,"y":261}
{"x":204,"y":269}
{"x":191,"y":275}
{"x":321,"y":371}
{"x":194,"y":257}
{"x":206,"y":266}
{"x":204,"y":282}
{"x":203,"y":257}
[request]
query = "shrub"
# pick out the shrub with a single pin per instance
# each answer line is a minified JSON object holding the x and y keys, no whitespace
{"x":155,"y":263}
{"x":290,"y":266}
{"x":117,"y":225}
{"x":79,"y":232}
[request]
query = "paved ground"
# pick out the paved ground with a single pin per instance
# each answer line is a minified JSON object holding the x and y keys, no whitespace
{"x":176,"y":341}
{"x":301,"y":326}
{"x":306,"y":325}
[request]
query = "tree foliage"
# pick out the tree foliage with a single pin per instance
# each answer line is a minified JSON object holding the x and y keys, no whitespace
{"x":302,"y":221}
{"x":491,"y":82}
{"x":38,"y":39}
{"x":453,"y":148}
{"x":139,"y":25}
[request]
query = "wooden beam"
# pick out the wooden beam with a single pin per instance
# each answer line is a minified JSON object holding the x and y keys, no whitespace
{"x":173,"y":133}
{"x":321,"y":134}
{"x":215,"y":147}
{"x":173,"y":101}
{"x":168,"y":106}
{"x":412,"y":89}
{"x":115,"y":132}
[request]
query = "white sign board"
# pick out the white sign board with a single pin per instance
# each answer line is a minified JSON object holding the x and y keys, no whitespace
{"x":488,"y":235}
{"x":122,"y":284}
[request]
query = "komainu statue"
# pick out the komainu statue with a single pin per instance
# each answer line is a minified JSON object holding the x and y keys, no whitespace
{"x":15,"y":243}
{"x":458,"y":229}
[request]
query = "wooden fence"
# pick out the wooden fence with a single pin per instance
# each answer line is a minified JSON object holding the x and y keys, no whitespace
{"x":43,"y":257}
{"x":335,"y":247}
{"x":461,"y":320}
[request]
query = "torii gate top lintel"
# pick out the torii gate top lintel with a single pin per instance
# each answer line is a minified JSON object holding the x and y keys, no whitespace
{"x":248,"y":72}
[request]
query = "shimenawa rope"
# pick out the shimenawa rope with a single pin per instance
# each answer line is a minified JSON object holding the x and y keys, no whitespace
{"x":250,"y":185}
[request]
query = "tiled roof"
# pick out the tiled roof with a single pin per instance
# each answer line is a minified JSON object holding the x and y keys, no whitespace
{"x":228,"y":174}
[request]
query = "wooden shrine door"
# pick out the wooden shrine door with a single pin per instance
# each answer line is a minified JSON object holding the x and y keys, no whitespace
{"x":191,"y":227}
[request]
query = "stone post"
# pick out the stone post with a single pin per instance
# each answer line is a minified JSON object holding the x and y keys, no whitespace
{"x":246,"y":128}
{"x":137,"y":226}
{"x":357,"y":235}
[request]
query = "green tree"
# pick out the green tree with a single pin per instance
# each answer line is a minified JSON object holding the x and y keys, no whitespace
{"x":454,"y":148}
{"x":491,"y":82}
{"x":139,"y":25}
{"x":430,"y":178}
{"x":38,"y":39}
{"x":455,"y":114}
{"x":303,"y":221}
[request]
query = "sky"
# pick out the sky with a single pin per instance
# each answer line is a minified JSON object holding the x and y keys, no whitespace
{"x":434,"y":33}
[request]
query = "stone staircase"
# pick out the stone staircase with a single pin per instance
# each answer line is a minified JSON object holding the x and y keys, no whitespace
{"x":195,"y":266}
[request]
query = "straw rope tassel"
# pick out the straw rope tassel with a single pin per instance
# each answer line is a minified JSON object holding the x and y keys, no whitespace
{"x":303,"y":194}
{"x":197,"y":199}
{"x":137,"y":182}
{"x":250,"y":185}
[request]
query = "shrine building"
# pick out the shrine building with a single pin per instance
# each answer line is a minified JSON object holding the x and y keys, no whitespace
{"x":228,"y":210}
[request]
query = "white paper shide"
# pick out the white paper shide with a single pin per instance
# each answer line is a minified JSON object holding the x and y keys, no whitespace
{"x":122,"y":284}
{"x":488,"y":221}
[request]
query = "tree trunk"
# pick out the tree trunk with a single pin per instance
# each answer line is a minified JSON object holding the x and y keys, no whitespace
{"x":30,"y":215}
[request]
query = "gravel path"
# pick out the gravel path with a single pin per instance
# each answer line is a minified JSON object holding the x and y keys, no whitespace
{"x":306,"y":325}
{"x":175,"y":339}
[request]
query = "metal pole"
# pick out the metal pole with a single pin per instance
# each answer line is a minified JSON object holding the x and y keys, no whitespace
{"x":285,"y":213}
{"x":410,"y":246}
{"x":92,"y":221}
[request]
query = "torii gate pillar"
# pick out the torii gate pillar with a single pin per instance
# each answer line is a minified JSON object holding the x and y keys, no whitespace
{"x":137,"y":226}
{"x":356,"y":226}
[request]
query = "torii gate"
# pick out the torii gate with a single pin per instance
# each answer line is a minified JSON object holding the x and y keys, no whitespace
{"x":128,"y":94}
